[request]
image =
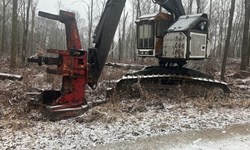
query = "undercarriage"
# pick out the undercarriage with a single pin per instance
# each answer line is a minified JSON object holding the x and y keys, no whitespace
{"x":169,"y":80}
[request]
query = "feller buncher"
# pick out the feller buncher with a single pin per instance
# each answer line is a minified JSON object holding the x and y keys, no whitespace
{"x":173,"y":38}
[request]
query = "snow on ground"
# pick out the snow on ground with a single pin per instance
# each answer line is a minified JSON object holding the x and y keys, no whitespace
{"x":110,"y":128}
{"x":22,"y":127}
{"x":234,"y":137}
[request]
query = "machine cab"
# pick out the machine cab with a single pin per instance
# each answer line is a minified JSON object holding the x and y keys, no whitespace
{"x":187,"y":38}
{"x":150,"y":32}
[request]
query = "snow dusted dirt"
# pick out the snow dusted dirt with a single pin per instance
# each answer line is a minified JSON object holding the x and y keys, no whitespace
{"x":150,"y":122}
{"x":108,"y":127}
{"x":232,"y":137}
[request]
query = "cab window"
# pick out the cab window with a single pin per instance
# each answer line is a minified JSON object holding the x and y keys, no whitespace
{"x":145,"y":31}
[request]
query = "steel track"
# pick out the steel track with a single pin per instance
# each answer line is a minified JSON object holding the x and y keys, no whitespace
{"x":164,"y":79}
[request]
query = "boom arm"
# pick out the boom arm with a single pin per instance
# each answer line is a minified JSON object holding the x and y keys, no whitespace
{"x":106,"y":28}
{"x":173,"y":6}
{"x":103,"y":37}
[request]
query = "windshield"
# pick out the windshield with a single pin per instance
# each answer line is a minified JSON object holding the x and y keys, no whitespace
{"x":145,"y":32}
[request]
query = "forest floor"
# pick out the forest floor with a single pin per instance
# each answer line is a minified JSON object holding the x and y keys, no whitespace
{"x":120,"y":120}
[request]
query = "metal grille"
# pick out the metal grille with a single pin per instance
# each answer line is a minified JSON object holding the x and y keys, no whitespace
{"x":198,"y":46}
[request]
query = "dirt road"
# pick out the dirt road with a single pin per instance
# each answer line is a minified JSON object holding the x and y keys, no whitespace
{"x":235,"y":137}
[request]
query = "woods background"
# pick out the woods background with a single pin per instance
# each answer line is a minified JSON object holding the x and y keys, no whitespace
{"x":23,"y":33}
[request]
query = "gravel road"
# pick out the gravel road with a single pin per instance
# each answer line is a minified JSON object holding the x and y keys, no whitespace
{"x":236,"y":137}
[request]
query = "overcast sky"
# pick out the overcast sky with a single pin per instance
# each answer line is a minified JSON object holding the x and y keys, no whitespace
{"x":51,"y":6}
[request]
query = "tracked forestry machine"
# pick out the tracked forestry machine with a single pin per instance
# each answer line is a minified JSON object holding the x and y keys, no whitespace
{"x":173,"y":38}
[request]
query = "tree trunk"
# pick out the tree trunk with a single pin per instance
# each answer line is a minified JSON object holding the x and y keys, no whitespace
{"x":133,"y":42}
{"x":34,"y":4}
{"x":227,"y":43}
{"x":220,"y":42}
{"x":4,"y":76}
{"x":237,"y":34}
{"x":248,"y":56}
{"x":14,"y":34}
{"x":5,"y":4}
{"x":124,"y":33}
{"x":218,"y":54}
{"x":190,"y":6}
{"x":3,"y":28}
{"x":198,"y":6}
{"x":244,"y":51}
{"x":119,"y":48}
{"x":215,"y":39}
{"x":210,"y":10}
{"x":90,"y":24}
{"x":25,"y":34}
{"x":138,"y":8}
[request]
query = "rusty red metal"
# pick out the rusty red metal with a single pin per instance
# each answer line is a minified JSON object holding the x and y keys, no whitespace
{"x":72,"y":65}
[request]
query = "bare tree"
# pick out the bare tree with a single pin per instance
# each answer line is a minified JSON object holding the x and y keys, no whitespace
{"x":90,"y":16}
{"x":198,"y":6}
{"x":26,"y":29}
{"x":5,"y":4}
{"x":33,"y":12}
{"x":138,"y":9}
{"x":133,"y":29}
{"x":14,"y":34}
{"x":227,"y":43}
{"x":220,"y":17}
{"x":244,"y":52}
{"x":210,"y":8}
{"x":122,"y":33}
{"x":190,"y":7}
{"x":90,"y":23}
{"x":235,"y":44}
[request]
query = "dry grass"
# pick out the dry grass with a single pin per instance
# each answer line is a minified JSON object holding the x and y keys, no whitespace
{"x":111,"y":74}
{"x":14,"y":104}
